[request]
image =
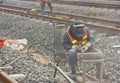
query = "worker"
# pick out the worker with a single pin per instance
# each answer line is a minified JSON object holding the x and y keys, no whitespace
{"x":77,"y":39}
{"x":43,"y":3}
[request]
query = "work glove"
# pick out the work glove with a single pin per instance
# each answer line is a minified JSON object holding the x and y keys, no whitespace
{"x":84,"y":48}
{"x":77,"y":47}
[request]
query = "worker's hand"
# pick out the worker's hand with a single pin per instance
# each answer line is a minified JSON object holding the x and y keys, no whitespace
{"x":88,"y":44}
{"x":84,"y":48}
{"x":76,"y":47}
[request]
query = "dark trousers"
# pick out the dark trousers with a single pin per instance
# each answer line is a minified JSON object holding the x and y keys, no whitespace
{"x":43,"y":8}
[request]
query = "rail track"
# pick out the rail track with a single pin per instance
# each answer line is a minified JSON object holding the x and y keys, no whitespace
{"x":77,"y":17}
{"x":90,"y":4}
{"x":66,"y":18}
{"x":37,"y":57}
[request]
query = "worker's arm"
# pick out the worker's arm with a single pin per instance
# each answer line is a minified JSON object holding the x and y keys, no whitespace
{"x":90,"y":39}
{"x":66,"y":42}
{"x":90,"y":42}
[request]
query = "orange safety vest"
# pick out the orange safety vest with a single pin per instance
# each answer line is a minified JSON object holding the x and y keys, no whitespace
{"x":75,"y":42}
{"x":45,"y":1}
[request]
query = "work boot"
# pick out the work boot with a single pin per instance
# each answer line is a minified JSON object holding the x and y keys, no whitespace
{"x":72,"y":76}
{"x":76,"y":78}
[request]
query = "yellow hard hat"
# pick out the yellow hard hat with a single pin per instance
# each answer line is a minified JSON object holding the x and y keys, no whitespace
{"x":33,"y":10}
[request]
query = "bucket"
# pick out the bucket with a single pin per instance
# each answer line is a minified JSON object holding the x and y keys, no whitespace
{"x":2,"y":42}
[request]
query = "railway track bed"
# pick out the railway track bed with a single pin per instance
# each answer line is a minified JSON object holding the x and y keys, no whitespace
{"x":67,"y":19}
{"x":56,"y":20}
{"x":31,"y":28}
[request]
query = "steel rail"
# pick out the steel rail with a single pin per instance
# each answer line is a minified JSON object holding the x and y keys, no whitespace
{"x":77,"y":17}
{"x":14,"y":7}
{"x":90,"y":4}
{"x":92,"y":19}
{"x":68,"y":22}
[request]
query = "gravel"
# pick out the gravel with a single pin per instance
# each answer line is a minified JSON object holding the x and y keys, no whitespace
{"x":37,"y":31}
{"x":34,"y":31}
{"x":88,"y":11}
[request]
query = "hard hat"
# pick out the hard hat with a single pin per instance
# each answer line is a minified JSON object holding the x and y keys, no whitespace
{"x":33,"y":10}
{"x":77,"y":30}
{"x":78,"y":25}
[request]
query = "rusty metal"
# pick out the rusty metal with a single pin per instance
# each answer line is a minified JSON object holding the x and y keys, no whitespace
{"x":4,"y":78}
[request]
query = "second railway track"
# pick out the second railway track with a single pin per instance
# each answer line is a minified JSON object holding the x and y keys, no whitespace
{"x":90,"y":4}
{"x":89,"y":21}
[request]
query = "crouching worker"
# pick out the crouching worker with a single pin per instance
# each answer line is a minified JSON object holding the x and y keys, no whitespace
{"x":77,"y":39}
